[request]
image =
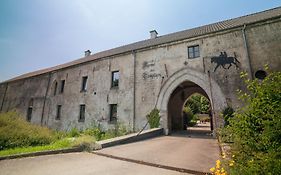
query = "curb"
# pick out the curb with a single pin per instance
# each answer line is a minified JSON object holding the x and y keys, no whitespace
{"x":41,"y":153}
{"x":102,"y":144}
{"x":147,"y":134}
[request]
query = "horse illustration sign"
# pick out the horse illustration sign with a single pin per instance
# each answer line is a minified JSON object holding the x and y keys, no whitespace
{"x":223,"y":59}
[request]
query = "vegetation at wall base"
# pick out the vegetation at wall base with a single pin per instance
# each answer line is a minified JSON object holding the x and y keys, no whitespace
{"x":255,"y":128}
{"x":153,"y":118}
{"x":18,"y":136}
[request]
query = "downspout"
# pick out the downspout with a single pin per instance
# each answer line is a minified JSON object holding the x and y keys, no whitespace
{"x":45,"y":97}
{"x":247,"y":52}
{"x":4,"y":96}
{"x":134,"y":92}
{"x":212,"y":106}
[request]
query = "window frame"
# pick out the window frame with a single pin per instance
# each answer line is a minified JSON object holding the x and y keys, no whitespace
{"x":82,"y":112}
{"x":29,"y":113}
{"x":58,"y":114}
{"x":29,"y":110}
{"x":62,"y":85}
{"x":84,"y":84}
{"x":55,"y":88}
{"x":111,"y":112}
{"x":114,"y":84}
{"x":193,"y":51}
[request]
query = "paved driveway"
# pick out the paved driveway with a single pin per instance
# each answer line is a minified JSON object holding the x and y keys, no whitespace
{"x":76,"y":164}
{"x":191,"y":150}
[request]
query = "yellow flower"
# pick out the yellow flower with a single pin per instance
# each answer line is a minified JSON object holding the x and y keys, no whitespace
{"x":212,"y":169}
{"x":222,"y":170}
{"x":217,"y":172}
{"x":233,"y":156}
{"x":218,"y":164}
{"x":231,"y":163}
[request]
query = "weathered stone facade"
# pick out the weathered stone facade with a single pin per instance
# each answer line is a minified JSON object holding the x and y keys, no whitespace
{"x":153,"y":73}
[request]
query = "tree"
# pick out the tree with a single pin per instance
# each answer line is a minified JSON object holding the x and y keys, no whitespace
{"x":198,"y":104}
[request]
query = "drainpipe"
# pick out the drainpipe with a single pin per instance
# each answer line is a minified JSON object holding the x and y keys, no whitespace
{"x":212,"y":106}
{"x":134,"y":92}
{"x":45,"y":97}
{"x":4,"y":96}
{"x":247,"y":52}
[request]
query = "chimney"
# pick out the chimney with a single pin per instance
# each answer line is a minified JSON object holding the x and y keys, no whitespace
{"x":153,"y":34}
{"x":87,"y":53}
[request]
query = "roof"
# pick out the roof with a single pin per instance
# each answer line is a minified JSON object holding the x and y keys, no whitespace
{"x":185,"y":34}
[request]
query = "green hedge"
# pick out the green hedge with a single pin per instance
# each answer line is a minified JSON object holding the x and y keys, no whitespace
{"x":16,"y":132}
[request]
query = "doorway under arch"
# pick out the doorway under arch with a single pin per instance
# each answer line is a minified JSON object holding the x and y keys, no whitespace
{"x":195,"y":80}
{"x":177,"y":119}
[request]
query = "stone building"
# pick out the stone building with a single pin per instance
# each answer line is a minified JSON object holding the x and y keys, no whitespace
{"x":127,"y":82}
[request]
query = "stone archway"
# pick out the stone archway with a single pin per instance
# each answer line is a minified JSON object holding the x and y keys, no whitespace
{"x":204,"y":81}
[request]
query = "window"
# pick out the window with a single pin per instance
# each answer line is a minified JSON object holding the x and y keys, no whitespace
{"x":113,"y":112}
{"x":115,"y":79}
{"x":29,"y":110}
{"x":62,"y":83}
{"x":55,"y":88}
{"x":82,"y":113}
{"x":58,"y":116}
{"x":84,"y":83}
{"x":29,"y":114}
{"x":260,"y":74}
{"x":193,"y":51}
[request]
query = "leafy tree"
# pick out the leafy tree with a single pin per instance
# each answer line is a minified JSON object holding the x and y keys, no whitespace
{"x":256,"y":128}
{"x":198,"y":104}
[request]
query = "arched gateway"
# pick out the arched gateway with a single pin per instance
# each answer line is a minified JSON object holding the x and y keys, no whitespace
{"x":191,"y":81}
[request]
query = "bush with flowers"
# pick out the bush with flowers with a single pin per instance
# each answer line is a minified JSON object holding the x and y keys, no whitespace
{"x":255,"y":129}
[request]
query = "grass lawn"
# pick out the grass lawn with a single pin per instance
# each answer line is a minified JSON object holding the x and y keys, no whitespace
{"x":60,"y":144}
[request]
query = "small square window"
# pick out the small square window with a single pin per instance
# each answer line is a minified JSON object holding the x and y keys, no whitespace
{"x":62,"y":83}
{"x":115,"y":79}
{"x":193,"y":51}
{"x":82,"y":113}
{"x":58,"y":116}
{"x":84,"y":83}
{"x":113,"y":112}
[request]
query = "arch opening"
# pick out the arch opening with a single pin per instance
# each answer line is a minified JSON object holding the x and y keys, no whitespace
{"x":203,"y":83}
{"x":183,"y":107}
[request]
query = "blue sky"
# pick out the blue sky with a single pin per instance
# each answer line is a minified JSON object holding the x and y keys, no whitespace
{"x":36,"y":34}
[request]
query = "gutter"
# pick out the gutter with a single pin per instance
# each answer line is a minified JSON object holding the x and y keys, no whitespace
{"x":45,"y":97}
{"x":247,"y":52}
{"x":134,"y":92}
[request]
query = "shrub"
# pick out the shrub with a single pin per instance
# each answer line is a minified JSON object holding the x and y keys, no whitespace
{"x":153,"y":118}
{"x":16,"y":132}
{"x":74,"y":132}
{"x":256,"y":128}
{"x":189,"y":117}
{"x":99,"y":134}
{"x":86,"y":142}
{"x":227,"y":113}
